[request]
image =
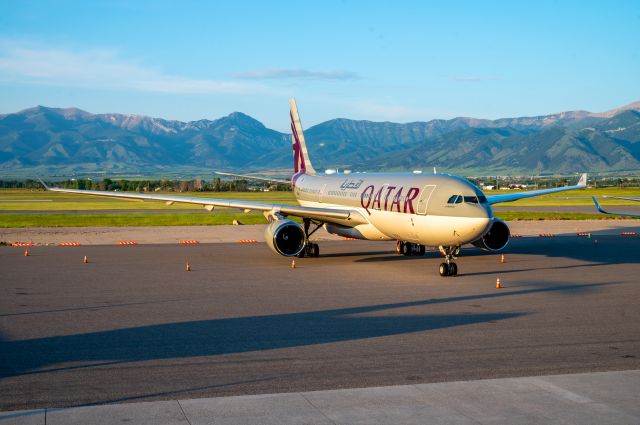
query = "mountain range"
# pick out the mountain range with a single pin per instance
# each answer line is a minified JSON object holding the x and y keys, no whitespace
{"x":57,"y":142}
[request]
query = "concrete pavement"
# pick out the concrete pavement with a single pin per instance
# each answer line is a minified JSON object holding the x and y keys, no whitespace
{"x":586,"y":398}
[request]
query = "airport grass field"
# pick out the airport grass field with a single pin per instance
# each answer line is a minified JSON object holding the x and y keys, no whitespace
{"x":34,"y":208}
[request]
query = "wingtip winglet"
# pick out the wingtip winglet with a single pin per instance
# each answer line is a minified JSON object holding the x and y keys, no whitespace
{"x":598,"y":207}
{"x":42,"y":183}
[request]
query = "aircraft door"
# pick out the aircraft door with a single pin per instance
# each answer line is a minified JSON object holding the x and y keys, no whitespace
{"x":423,"y":202}
{"x":322,"y":192}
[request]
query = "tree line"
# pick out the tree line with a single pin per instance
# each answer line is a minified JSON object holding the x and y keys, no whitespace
{"x":219,"y":185}
{"x":125,"y":185}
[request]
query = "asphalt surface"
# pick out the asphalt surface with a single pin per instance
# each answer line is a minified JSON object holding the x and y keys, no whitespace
{"x":133,"y":325}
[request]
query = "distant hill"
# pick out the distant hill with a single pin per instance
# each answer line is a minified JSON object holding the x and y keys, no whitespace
{"x":66,"y":142}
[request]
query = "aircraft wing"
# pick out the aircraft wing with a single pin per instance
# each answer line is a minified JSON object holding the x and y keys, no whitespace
{"x":261,"y":179}
{"x":602,"y":210}
{"x":510,"y":197}
{"x":352,"y":216}
{"x":626,"y":198}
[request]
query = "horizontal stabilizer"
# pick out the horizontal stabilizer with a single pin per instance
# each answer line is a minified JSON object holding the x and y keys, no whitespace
{"x":261,"y":179}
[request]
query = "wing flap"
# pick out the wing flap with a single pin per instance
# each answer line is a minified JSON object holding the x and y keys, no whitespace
{"x":260,"y":179}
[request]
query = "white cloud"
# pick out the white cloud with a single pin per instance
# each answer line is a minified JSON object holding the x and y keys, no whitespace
{"x":101,"y":68}
{"x":298,"y":74}
{"x":393,"y":112}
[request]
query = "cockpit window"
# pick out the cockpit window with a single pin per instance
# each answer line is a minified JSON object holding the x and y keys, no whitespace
{"x":469,"y":199}
{"x":455,"y":199}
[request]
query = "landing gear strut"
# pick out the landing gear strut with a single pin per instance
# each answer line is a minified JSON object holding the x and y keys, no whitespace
{"x":449,"y":268}
{"x":310,"y":249}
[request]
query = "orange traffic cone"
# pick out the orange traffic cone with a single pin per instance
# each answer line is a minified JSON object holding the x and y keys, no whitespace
{"x":502,"y":258}
{"x":498,"y":284}
{"x":188,"y":268}
{"x":85,"y":259}
{"x":26,"y":252}
{"x":293,"y":264}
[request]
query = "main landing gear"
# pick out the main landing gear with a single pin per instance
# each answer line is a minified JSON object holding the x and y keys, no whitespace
{"x":409,"y":248}
{"x":449,"y":268}
{"x":311,"y":249}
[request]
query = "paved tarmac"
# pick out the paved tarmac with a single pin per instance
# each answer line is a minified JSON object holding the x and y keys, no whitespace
{"x":229,"y":233}
{"x":588,"y":398}
{"x":132,"y":325}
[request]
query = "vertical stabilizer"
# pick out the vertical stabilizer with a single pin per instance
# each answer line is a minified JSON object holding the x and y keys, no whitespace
{"x":301,"y":162}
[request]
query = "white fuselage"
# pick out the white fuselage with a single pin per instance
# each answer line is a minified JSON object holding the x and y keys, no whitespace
{"x":418,"y":208}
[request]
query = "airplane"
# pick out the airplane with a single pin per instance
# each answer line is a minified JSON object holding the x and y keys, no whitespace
{"x":628,"y":198}
{"x":417,"y":210}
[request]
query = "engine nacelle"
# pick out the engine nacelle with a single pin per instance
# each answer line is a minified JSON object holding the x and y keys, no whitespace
{"x":496,"y":238}
{"x":285,"y":237}
{"x":345,"y":231}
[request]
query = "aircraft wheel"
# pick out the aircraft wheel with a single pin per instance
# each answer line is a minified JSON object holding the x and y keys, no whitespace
{"x":444,"y":269}
{"x":422,"y":250}
{"x":453,"y":269}
{"x":406,"y":248}
{"x":314,"y":250}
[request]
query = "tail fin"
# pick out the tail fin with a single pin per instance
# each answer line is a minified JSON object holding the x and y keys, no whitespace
{"x":301,"y":162}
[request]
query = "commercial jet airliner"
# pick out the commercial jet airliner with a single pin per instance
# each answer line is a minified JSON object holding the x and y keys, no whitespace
{"x":417,"y":210}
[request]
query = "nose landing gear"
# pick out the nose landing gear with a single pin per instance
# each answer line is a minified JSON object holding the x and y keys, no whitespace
{"x":449,"y":268}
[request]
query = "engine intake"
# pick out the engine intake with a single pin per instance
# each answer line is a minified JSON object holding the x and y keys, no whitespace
{"x":496,"y":238}
{"x":285,"y":237}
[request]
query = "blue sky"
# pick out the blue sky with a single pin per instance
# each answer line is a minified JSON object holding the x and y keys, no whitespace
{"x":378,"y":60}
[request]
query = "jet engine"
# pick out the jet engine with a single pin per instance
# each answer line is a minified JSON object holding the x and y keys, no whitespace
{"x":285,"y":237}
{"x":496,"y":238}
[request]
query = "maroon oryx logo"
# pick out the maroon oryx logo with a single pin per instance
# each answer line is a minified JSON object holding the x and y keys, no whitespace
{"x":298,"y":157}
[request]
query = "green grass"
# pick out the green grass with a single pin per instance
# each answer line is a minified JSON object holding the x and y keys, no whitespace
{"x":26,"y":200}
{"x":127,"y":219}
{"x":179,"y":214}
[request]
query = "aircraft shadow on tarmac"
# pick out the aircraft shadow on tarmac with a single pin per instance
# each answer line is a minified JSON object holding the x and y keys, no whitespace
{"x":607,"y":250}
{"x":240,"y":335}
{"x":223,"y":336}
